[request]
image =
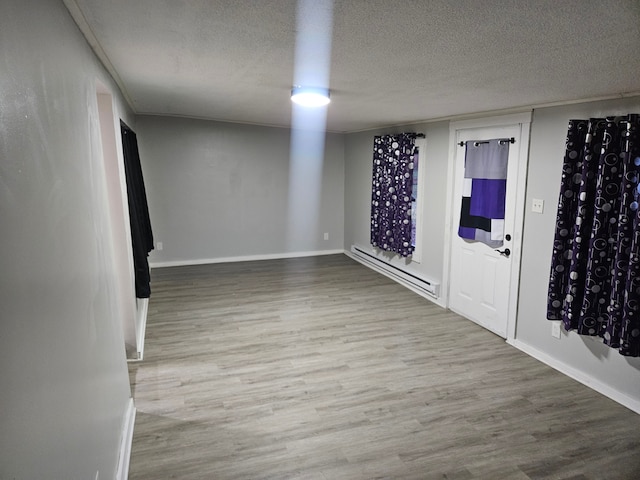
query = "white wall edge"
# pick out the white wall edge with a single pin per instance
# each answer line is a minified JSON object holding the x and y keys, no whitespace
{"x":244,"y":258}
{"x":587,"y":380}
{"x":126,"y":440}
{"x":142,"y":310}
{"x":407,"y":285}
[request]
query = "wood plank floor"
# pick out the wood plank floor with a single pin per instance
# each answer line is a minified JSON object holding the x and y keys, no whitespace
{"x":319,"y":368}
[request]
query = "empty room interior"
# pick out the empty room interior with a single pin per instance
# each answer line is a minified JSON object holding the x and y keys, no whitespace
{"x":432,"y":272}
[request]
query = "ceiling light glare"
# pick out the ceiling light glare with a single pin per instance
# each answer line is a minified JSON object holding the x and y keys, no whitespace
{"x":310,"y":96}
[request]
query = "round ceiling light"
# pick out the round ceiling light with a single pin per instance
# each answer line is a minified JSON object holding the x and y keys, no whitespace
{"x":310,"y":96}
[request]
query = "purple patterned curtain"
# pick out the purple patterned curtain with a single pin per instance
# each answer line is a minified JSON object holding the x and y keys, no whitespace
{"x":391,"y":193}
{"x":594,"y":287}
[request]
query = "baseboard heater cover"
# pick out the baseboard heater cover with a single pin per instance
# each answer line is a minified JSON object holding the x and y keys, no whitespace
{"x":429,"y":287}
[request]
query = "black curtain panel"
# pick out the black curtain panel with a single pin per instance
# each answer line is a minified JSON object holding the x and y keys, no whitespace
{"x":141,"y":234}
{"x":594,"y":286}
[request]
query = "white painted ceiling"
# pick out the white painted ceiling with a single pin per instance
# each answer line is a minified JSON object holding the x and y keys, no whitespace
{"x":392,"y":61}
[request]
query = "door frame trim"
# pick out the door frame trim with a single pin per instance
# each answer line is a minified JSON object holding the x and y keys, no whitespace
{"x":523,"y":120}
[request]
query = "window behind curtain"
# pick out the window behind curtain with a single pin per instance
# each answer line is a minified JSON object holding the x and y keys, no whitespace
{"x":414,"y":198}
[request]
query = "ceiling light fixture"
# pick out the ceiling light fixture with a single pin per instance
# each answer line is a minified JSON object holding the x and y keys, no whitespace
{"x":310,"y":96}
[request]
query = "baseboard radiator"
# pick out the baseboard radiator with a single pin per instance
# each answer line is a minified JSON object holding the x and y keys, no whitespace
{"x":420,"y":285}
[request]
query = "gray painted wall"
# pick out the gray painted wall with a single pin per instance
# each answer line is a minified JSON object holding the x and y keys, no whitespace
{"x":358,"y":169}
{"x":63,"y":376}
{"x":584,"y":354}
{"x":62,"y":369}
{"x":585,"y":357}
{"x":221,"y":190}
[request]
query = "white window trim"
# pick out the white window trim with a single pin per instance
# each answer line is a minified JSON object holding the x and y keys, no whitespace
{"x":421,"y":143}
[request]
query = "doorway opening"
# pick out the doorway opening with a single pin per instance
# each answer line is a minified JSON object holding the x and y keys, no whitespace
{"x":132,"y":314}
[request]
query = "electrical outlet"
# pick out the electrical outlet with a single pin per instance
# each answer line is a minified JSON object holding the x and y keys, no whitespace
{"x":555,"y":329}
{"x":537,"y":205}
{"x":159,"y":246}
{"x":326,"y":235}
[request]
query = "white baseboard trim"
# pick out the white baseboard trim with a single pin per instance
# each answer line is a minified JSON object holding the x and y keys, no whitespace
{"x":126,"y":439}
{"x":244,"y":258}
{"x":438,"y":301}
{"x":621,"y":398}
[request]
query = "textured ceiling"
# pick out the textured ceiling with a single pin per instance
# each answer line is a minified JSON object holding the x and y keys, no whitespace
{"x":392,"y":61}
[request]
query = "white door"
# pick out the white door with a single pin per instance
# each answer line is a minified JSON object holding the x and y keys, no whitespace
{"x":483,"y":280}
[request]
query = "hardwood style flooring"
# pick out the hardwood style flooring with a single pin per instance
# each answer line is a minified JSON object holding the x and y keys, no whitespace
{"x":319,"y":368}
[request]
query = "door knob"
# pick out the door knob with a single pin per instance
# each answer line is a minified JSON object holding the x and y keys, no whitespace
{"x":505,"y":253}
